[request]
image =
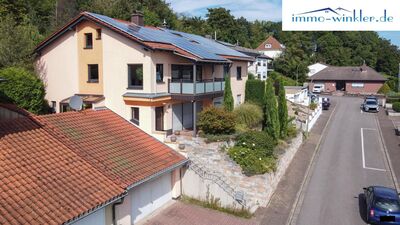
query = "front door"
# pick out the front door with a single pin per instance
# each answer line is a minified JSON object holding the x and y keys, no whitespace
{"x":160,"y":118}
{"x":340,"y":86}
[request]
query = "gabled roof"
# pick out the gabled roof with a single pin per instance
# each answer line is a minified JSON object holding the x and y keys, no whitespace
{"x":43,"y":181}
{"x":117,"y":148}
{"x":247,"y":51}
{"x":193,"y":46}
{"x":57,"y":168}
{"x":275,"y":45}
{"x":349,"y":73}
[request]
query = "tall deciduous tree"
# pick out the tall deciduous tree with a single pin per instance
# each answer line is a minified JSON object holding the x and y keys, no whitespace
{"x":271,"y":111}
{"x":228,"y":98}
{"x":282,"y":110}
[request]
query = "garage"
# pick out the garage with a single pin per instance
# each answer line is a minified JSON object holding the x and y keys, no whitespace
{"x":149,"y":196}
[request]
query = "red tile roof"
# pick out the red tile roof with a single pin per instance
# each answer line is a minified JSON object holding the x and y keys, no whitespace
{"x":275,"y":45}
{"x":57,"y":167}
{"x":44,"y":182}
{"x":118,"y":149}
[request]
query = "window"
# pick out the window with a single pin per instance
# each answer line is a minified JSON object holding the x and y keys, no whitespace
{"x":88,"y":40}
{"x":135,"y":76}
{"x":226,"y":69}
{"x":268,"y":46}
{"x":258,"y":63}
{"x":135,"y":115}
{"x":160,"y":73}
{"x":357,"y":85}
{"x":53,"y":106}
{"x":199,"y":73}
{"x":238,"y":99}
{"x":98,"y":34}
{"x":182,"y":72}
{"x":93,"y":73}
{"x":239,"y":73}
{"x":160,"y":118}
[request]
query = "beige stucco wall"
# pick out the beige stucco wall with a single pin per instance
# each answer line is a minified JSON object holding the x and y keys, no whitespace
{"x":58,"y":67}
{"x":238,"y":86}
{"x":118,"y":52}
{"x":89,"y":56}
{"x":167,"y":59}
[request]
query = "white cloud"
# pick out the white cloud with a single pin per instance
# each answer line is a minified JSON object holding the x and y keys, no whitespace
{"x":250,"y":9}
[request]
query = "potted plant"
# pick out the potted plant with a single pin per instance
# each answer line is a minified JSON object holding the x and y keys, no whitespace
{"x":173,"y":138}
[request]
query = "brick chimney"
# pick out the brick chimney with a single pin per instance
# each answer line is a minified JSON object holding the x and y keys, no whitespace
{"x":137,"y":18}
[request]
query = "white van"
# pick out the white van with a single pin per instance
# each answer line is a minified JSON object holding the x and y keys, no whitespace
{"x":318,"y":88}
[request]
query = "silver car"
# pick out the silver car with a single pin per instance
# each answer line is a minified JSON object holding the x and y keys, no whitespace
{"x":370,"y":105}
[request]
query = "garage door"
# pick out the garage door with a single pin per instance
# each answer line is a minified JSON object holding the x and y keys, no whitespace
{"x":150,"y":196}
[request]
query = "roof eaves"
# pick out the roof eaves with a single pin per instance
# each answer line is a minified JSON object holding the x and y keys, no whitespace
{"x":95,"y":209}
{"x":159,"y":173}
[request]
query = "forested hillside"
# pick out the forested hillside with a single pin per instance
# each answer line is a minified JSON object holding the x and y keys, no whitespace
{"x":24,"y":23}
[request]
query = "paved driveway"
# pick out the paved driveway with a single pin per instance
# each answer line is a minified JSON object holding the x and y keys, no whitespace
{"x":351,"y":157}
{"x":180,"y":213}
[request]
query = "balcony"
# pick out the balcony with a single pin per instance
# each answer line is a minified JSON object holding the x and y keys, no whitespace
{"x":190,"y":88}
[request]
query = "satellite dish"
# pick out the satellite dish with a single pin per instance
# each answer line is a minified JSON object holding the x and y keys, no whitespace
{"x":76,"y":103}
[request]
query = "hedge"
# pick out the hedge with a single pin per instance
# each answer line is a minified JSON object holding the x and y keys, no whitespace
{"x":255,"y":92}
{"x":396,"y":106}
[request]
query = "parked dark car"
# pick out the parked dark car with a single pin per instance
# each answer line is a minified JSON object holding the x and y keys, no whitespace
{"x":325,"y":103}
{"x":383,"y":205}
{"x":370,"y":105}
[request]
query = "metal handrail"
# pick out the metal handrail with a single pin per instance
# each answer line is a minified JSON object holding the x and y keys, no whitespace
{"x":202,"y":172}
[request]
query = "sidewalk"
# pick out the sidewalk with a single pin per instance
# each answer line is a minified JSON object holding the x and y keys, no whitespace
{"x":281,"y":204}
{"x":392,"y":141}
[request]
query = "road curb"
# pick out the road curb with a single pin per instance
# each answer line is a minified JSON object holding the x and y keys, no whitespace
{"x":389,"y":162}
{"x":300,"y":194}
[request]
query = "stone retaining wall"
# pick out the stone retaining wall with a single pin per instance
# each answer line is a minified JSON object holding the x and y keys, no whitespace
{"x":213,"y":159}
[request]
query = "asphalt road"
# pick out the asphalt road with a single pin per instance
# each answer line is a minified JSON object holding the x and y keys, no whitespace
{"x":350,"y":157}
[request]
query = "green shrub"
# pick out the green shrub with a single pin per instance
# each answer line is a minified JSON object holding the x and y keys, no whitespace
{"x":249,"y":115}
{"x":258,"y":141}
{"x":313,"y":105}
{"x":392,"y":100}
{"x":24,"y":89}
{"x":282,"y":110}
{"x":251,"y":76}
{"x":292,"y":131}
{"x":228,"y":98}
{"x":396,"y":106}
{"x":254,"y":92}
{"x":250,"y":162}
{"x":213,"y":120}
{"x":271,"y":122}
{"x":385,"y":89}
{"x":286,"y":80}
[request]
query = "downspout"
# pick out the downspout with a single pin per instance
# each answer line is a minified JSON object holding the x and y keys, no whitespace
{"x":113,"y":210}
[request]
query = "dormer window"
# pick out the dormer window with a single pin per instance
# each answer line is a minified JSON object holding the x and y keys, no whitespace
{"x":88,"y":40}
{"x":268,"y":46}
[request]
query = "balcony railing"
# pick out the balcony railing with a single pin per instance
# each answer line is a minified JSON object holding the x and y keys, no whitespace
{"x":200,"y":87}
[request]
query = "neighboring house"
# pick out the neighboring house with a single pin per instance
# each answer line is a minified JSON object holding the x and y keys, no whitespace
{"x":315,"y":68}
{"x":88,"y":167}
{"x":351,"y":79}
{"x":261,"y":64}
{"x":157,"y":78}
{"x":297,"y":94}
{"x":271,"y":47}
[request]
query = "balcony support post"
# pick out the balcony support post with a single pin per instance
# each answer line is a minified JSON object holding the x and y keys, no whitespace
{"x":194,"y":118}
{"x":213,"y":76}
{"x":194,"y":78}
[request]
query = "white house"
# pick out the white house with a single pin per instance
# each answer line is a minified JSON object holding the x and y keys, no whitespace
{"x":315,"y":68}
{"x":271,"y":47}
{"x":297,"y":94}
{"x":261,"y":64}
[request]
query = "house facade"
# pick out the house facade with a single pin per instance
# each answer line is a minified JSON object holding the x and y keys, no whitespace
{"x":159,"y":79}
{"x":271,"y":47}
{"x":82,"y":168}
{"x":261,"y":64}
{"x":350,"y":79}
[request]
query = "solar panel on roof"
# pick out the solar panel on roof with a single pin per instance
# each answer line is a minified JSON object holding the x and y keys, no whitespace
{"x":202,"y":47}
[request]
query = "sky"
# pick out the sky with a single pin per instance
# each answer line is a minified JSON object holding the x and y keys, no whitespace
{"x":250,"y":9}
